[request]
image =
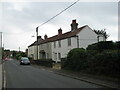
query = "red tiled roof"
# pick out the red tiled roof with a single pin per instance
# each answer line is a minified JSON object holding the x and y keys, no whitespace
{"x":59,"y":37}
{"x":35,"y":43}
{"x":63,"y":36}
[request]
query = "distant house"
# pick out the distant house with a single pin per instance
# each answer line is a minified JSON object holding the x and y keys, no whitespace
{"x":44,"y":49}
{"x":58,"y":46}
{"x":32,"y":49}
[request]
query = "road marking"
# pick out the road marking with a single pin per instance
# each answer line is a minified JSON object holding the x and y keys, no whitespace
{"x":3,"y":77}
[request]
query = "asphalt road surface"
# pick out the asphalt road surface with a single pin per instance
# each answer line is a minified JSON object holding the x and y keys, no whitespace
{"x":27,"y":76}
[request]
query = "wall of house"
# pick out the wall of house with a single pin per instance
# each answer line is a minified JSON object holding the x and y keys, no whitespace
{"x":86,"y":37}
{"x":64,"y":49}
{"x":101,"y":38}
{"x":46,"y":47}
{"x":32,"y":52}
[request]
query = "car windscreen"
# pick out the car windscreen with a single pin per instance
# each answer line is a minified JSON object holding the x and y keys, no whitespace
{"x":25,"y":59}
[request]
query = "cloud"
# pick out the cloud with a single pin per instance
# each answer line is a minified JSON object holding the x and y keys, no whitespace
{"x":22,"y":18}
{"x":59,"y":0}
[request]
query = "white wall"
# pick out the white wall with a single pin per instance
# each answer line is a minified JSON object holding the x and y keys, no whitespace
{"x":47,"y":48}
{"x":101,"y":38}
{"x":64,"y":49}
{"x":32,"y":51}
{"x":87,"y":37}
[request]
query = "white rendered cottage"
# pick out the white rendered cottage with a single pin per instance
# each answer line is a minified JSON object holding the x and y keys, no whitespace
{"x":76,"y":38}
{"x":58,"y":46}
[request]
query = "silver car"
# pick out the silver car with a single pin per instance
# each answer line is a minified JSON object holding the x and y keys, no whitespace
{"x":24,"y":60}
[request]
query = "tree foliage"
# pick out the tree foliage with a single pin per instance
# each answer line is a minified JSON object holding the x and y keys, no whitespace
{"x":102,"y":32}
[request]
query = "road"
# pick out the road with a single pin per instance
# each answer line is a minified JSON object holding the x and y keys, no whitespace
{"x":27,"y":76}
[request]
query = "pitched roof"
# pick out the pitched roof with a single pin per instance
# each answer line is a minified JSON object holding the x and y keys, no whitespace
{"x":35,"y":43}
{"x":60,"y":37}
{"x":63,"y":36}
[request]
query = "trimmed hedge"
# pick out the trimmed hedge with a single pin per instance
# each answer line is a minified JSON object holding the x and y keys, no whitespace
{"x":103,"y":45}
{"x":103,"y":61}
{"x":44,"y":62}
{"x":106,"y":63}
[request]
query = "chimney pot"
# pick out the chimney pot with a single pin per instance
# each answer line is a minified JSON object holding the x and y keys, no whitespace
{"x":74,"y":21}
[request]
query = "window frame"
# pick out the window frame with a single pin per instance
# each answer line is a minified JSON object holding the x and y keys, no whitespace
{"x":59,"y":43}
{"x":69,"y":41}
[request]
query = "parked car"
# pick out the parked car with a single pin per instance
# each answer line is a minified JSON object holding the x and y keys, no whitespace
{"x":24,"y":60}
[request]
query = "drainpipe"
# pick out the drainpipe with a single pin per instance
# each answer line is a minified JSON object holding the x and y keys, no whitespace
{"x":37,"y":41}
{"x":77,"y":41}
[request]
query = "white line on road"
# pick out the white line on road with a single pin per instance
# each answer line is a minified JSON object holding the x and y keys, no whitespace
{"x":4,"y":79}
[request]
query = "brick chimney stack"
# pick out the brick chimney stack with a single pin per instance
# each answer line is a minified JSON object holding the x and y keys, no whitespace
{"x":45,"y":37}
{"x":38,"y":37}
{"x":60,"y":31}
{"x":74,"y":25}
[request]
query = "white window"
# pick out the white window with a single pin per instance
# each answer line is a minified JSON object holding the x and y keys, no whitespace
{"x":54,"y":44}
{"x":47,"y":55}
{"x":59,"y":56}
{"x":55,"y":56}
{"x":59,"y":43}
{"x":69,"y":41}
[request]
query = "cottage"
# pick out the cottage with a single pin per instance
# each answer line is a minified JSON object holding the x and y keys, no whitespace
{"x":58,"y":46}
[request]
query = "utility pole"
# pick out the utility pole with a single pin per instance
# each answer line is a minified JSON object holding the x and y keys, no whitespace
{"x":1,"y":39}
{"x":37,"y":41}
{"x":1,"y":49}
{"x":19,"y":49}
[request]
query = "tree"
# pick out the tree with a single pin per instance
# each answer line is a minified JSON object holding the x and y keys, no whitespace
{"x":102,"y":32}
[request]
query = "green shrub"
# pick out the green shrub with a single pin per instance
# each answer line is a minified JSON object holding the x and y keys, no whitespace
{"x":75,"y":59}
{"x":18,"y":56}
{"x":103,"y":45}
{"x":106,"y":63}
{"x":103,"y":60}
{"x":44,"y":62}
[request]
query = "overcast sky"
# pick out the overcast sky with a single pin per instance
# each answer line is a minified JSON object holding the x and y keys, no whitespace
{"x":18,"y":20}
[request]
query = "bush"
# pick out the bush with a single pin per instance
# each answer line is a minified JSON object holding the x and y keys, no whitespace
{"x":18,"y":56}
{"x":75,"y":59}
{"x":103,"y":60}
{"x":103,"y":63}
{"x":103,"y":45}
{"x":44,"y":62}
{"x":106,"y":63}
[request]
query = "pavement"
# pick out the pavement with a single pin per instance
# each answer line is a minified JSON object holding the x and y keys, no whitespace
{"x":0,"y":76}
{"x":98,"y":80}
